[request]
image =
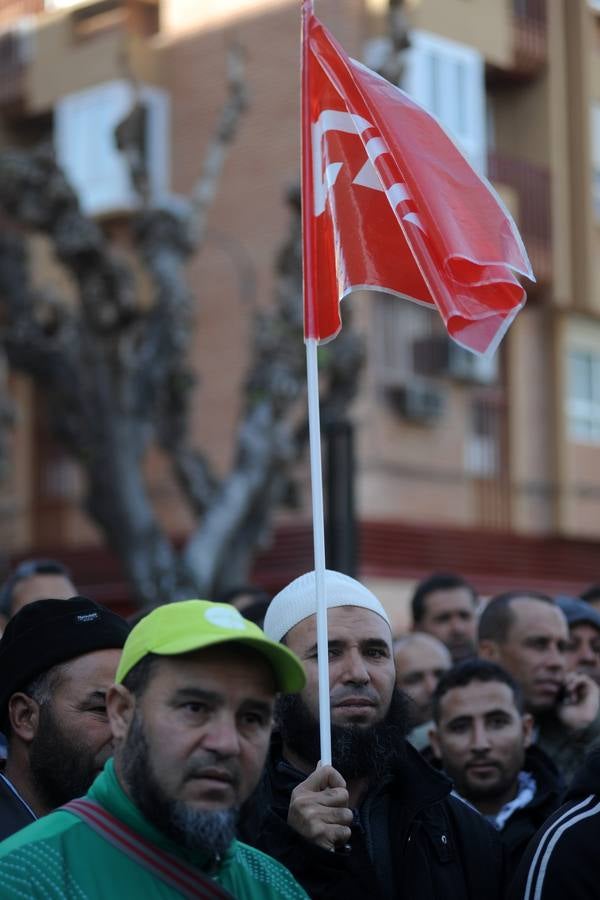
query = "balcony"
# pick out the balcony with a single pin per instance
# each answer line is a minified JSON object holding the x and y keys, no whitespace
{"x":531,"y":184}
{"x":529,"y":50}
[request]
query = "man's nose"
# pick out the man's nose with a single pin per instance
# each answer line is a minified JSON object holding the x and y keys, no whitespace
{"x":587,"y":655}
{"x":459,"y":626}
{"x":356,"y":670}
{"x":430,"y":682}
{"x":555,"y":658}
{"x":481,"y":740}
{"x":222,"y":736}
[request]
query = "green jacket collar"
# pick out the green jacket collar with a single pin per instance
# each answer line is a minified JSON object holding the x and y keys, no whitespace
{"x":107,"y":791}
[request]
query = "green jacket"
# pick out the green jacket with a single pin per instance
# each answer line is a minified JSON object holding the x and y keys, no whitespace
{"x":60,"y":857}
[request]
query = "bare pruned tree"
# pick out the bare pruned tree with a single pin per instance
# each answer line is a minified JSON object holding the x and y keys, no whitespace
{"x":115,"y":371}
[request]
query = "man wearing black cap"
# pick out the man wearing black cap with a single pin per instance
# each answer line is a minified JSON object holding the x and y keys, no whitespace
{"x":57,"y":660}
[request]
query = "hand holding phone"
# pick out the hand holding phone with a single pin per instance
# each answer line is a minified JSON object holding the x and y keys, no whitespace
{"x":578,"y":701}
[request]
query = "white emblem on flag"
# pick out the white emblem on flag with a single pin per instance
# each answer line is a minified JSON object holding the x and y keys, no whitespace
{"x":324,"y":180}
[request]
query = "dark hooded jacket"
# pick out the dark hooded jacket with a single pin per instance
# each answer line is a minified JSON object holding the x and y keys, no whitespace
{"x":563,"y":860}
{"x":410,"y":839}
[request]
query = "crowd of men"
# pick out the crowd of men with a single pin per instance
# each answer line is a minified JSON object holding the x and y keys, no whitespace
{"x":178,"y":754}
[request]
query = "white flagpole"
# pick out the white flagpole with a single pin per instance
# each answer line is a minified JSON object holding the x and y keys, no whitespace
{"x":314,"y":423}
{"x":316,"y":480}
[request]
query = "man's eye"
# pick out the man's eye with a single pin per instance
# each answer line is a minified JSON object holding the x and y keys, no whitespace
{"x":195,"y":707}
{"x":458,"y":727}
{"x":541,"y":645}
{"x":498,"y":722}
{"x":254,"y":720}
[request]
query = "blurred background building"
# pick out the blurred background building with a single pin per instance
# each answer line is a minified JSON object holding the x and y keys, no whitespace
{"x":490,"y":469}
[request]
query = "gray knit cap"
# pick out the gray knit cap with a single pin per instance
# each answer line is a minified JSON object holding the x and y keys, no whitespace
{"x":298,"y":601}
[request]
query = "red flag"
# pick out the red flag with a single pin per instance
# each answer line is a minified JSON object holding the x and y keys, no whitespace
{"x":390,"y":203}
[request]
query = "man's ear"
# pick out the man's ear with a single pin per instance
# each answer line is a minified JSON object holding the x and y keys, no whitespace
{"x":120,"y":708}
{"x":24,"y":716}
{"x":434,"y":741}
{"x":528,"y":724}
{"x":489,"y":649}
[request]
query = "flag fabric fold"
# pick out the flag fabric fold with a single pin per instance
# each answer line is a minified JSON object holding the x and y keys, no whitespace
{"x":391,"y":204}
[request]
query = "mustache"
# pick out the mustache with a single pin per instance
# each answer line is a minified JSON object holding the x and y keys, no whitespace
{"x":211,"y":765}
{"x":361,"y":693}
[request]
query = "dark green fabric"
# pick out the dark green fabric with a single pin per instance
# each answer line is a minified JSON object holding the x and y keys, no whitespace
{"x":60,"y":858}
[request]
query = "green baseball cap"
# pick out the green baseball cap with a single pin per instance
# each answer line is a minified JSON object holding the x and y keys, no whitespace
{"x":189,"y":625}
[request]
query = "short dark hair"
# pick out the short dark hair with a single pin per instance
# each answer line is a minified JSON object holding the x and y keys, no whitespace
{"x":40,"y":689}
{"x":26,"y":569}
{"x":591,"y":593}
{"x":497,"y":615}
{"x":138,"y":678}
{"x":241,"y":590}
{"x":439,"y":581}
{"x":471,"y":670}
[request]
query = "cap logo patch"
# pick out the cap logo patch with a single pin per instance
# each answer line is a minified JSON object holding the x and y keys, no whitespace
{"x":87,"y":617}
{"x":225,"y":618}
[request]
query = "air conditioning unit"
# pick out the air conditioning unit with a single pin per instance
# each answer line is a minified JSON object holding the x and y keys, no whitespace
{"x":418,"y":401}
{"x":440,"y":356}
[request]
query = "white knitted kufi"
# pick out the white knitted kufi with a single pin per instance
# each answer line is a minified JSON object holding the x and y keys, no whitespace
{"x":298,"y":600}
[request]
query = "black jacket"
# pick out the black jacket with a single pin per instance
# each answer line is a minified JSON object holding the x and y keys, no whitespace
{"x":524,"y":823}
{"x":14,"y":815}
{"x":563,"y":860}
{"x":410,"y":840}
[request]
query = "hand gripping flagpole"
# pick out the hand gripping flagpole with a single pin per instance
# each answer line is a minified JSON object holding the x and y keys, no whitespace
{"x":314,"y":423}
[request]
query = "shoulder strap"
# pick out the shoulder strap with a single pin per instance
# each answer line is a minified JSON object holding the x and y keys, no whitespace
{"x":185,"y":879}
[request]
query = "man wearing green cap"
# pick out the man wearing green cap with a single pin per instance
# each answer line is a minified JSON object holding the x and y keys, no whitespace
{"x":191,"y":714}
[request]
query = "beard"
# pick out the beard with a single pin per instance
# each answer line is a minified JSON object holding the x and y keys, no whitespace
{"x":474,"y":791}
{"x":195,"y":829}
{"x":61,"y":768}
{"x":356,"y":750}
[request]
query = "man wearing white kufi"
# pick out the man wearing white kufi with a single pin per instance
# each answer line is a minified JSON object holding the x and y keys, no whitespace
{"x":379,"y":822}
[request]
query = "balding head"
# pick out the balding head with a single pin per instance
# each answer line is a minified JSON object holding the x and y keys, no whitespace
{"x":526,"y":633}
{"x":420,"y":662}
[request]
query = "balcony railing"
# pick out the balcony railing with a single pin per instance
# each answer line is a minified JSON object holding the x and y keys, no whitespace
{"x":530,"y":41}
{"x":531,"y":184}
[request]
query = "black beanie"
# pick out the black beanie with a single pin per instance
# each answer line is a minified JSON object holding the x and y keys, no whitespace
{"x":46,"y":633}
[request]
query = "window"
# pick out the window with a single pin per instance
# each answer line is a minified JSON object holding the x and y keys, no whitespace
{"x":583,"y":396}
{"x":84,"y":126}
{"x":448,"y":79}
{"x":482,"y":441}
{"x":397,"y":324}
